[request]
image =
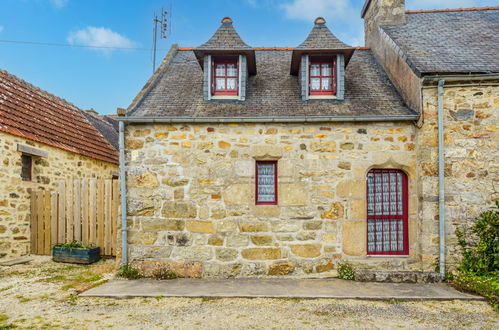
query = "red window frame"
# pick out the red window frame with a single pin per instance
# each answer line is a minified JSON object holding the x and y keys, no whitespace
{"x":26,"y":167}
{"x":257,"y":201}
{"x":322,"y":60}
{"x":225,"y":61}
{"x":384,"y":218}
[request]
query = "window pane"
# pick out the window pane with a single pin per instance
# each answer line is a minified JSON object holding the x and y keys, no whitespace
{"x":315,"y":84}
{"x":315,"y":70}
{"x":220,"y":85}
{"x":231,"y":84}
{"x":26,"y":167}
{"x":231,"y":70}
{"x":326,"y":69}
{"x":266,"y":182}
{"x":220,"y":71}
{"x":385,"y":212}
{"x":327,"y":84}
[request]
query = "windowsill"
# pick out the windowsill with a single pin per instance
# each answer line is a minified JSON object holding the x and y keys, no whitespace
{"x":322,"y":97}
{"x":388,"y":255}
{"x":224,"y":97}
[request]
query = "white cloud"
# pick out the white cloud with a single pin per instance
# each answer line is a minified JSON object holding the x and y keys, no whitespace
{"x":338,"y":10}
{"x":99,"y":37}
{"x":1,"y":28}
{"x":59,"y":3}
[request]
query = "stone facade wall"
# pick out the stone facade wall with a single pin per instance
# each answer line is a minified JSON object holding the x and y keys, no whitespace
{"x":191,"y":203}
{"x":471,"y":162}
{"x":46,"y":172}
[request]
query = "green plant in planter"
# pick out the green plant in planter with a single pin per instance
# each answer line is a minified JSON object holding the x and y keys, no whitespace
{"x":74,"y":245}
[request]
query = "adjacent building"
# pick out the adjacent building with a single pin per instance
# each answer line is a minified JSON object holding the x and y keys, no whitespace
{"x":43,"y":139}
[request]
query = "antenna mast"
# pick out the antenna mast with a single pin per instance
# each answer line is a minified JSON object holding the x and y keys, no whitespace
{"x":164,"y":22}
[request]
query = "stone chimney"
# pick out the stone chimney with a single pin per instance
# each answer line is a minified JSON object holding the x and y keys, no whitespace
{"x":381,"y":12}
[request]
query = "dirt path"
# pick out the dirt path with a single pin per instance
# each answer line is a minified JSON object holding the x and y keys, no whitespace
{"x":42,"y":294}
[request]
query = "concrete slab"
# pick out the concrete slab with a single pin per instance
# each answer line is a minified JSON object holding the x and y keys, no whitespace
{"x":18,"y":261}
{"x":276,"y":288}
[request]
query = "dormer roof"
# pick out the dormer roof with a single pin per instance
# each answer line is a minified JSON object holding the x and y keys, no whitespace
{"x":226,"y":41}
{"x":320,"y":40}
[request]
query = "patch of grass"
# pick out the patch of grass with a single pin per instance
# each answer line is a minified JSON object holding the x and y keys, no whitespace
{"x":23,"y":299}
{"x":158,"y":298}
{"x":3,"y":317}
{"x":129,"y":272}
{"x":163,"y":274}
{"x":6,"y":288}
{"x":485,"y":285}
{"x":8,"y":326}
{"x":295,"y":300}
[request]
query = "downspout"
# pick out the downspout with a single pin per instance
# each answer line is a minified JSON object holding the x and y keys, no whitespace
{"x":441,"y":174}
{"x":124,"y":250}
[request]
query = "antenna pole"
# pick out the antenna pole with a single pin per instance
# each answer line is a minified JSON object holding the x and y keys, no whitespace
{"x":164,"y":30}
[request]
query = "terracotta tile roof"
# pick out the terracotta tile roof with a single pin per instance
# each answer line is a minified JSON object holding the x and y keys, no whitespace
{"x":177,"y":91}
{"x":31,"y":113}
{"x":449,"y":41}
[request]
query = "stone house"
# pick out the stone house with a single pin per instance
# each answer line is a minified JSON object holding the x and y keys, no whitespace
{"x":43,"y":139}
{"x":244,"y":161}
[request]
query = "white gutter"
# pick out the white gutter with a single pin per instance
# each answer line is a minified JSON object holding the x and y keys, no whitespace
{"x":441,"y":174}
{"x":124,"y":230}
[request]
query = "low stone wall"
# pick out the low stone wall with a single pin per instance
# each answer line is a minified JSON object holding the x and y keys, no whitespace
{"x":46,"y":172}
{"x":191,"y":196}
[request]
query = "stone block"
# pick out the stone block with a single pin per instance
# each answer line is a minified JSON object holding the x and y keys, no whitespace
{"x":226,"y":226}
{"x":292,"y":195}
{"x":253,"y":269}
{"x":134,"y":144}
{"x":181,"y":269}
{"x":261,"y":240}
{"x":266,"y":210}
{"x":306,"y":250}
{"x":358,"y":209}
{"x":196,"y":226}
{"x":175,"y":181}
{"x":225,"y":255}
{"x":237,"y":240}
{"x":335,"y":212}
{"x":179,"y":209}
{"x":153,"y":224}
{"x":266,"y":152}
{"x":323,"y":146}
{"x":354,"y":238}
{"x":306,"y":236}
{"x":140,"y":208}
{"x":312,"y":225}
{"x":324,"y":265}
{"x":216,"y":240}
{"x":253,"y":227}
{"x":281,"y":268}
{"x":147,"y":179}
{"x":244,"y":168}
{"x":351,"y":189}
{"x":239,"y":194}
{"x":174,"y":238}
{"x":218,"y":212}
{"x":282,"y":226}
{"x":149,"y":252}
{"x":261,"y":253}
{"x":193,"y":253}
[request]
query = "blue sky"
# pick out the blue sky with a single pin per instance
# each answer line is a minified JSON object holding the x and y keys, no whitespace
{"x":105,"y":79}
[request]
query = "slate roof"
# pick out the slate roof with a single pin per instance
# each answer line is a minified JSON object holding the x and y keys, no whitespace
{"x":448,"y":41}
{"x":225,"y":38}
{"x":105,"y":128}
{"x":273,"y":92}
{"x":36,"y":115}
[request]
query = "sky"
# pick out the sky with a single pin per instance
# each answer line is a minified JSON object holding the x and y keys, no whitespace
{"x":107,"y":78}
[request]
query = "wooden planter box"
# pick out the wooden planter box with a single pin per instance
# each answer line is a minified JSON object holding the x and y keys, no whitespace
{"x":76,"y":256}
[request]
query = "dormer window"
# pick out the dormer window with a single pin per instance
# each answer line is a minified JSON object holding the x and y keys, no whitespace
{"x":225,"y":76}
{"x":322,"y":75}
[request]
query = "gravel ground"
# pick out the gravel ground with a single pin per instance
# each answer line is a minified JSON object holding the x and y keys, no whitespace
{"x":43,"y":294}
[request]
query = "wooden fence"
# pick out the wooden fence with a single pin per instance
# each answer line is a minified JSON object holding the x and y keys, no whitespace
{"x":79,"y":210}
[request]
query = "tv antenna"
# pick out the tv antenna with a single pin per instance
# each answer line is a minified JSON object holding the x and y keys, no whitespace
{"x":162,"y":24}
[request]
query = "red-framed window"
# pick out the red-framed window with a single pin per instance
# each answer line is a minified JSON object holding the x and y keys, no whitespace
{"x":225,"y":76}
{"x":26,"y":166}
{"x":387,"y":220}
{"x":322,"y":75}
{"x":266,"y":182}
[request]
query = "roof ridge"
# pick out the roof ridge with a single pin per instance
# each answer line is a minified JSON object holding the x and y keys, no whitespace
{"x":450,"y":10}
